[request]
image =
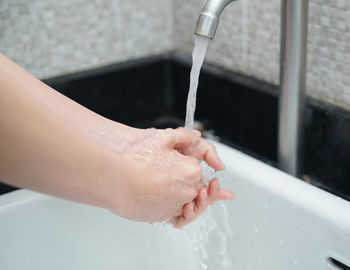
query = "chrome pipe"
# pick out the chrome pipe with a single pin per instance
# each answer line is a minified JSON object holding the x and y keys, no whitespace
{"x":294,"y":19}
{"x":208,"y":19}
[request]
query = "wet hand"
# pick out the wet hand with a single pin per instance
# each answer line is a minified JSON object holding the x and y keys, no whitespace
{"x":206,"y":196}
{"x":160,"y":179}
{"x":203,"y":150}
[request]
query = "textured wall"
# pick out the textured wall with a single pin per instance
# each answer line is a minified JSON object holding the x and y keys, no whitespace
{"x":248,"y":40}
{"x":54,"y":37}
{"x":248,"y":35}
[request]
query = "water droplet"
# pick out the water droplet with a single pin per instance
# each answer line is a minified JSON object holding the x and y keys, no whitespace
{"x":266,"y":205}
{"x":281,"y":243}
{"x":296,"y":262}
{"x":256,"y":229}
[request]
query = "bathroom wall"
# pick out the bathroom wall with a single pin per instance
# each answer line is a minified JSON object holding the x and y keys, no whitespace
{"x":248,"y":40}
{"x":56,"y":37}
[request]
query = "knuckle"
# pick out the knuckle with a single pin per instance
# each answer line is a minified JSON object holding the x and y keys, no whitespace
{"x":211,"y":146}
{"x":191,"y":193}
{"x":180,"y":128}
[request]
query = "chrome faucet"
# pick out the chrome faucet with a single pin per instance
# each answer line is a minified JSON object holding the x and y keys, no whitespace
{"x":208,"y":20}
{"x":294,"y":19}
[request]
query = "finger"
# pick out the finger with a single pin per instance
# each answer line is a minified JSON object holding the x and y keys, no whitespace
{"x":214,"y":188}
{"x":226,"y":194}
{"x":182,"y":138}
{"x":194,"y":131}
{"x":178,"y":212}
{"x":188,"y":169}
{"x":214,"y":191}
{"x":188,"y":215}
{"x":188,"y":211}
{"x":206,"y":151}
{"x":201,"y":201}
{"x":186,"y":194}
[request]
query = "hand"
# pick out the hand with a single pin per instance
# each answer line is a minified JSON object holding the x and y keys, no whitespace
{"x":159,"y":180}
{"x":53,"y":145}
{"x":183,"y":148}
{"x":205,"y":151}
{"x":206,"y":196}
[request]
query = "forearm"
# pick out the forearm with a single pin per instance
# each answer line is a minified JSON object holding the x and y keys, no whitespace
{"x":95,"y":126}
{"x":39,"y":151}
{"x":51,"y":144}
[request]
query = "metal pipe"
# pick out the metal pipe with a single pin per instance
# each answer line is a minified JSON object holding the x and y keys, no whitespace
{"x":208,"y":19}
{"x":294,"y":19}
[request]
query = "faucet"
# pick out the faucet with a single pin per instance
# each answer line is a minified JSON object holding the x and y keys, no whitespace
{"x":208,"y":19}
{"x":294,"y":21}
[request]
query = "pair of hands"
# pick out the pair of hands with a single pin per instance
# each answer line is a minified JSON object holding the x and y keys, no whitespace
{"x":53,"y":145}
{"x":166,"y":182}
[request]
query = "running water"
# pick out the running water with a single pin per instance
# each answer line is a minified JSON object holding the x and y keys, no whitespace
{"x":212,"y":233}
{"x":200,"y":49}
{"x":206,"y":226}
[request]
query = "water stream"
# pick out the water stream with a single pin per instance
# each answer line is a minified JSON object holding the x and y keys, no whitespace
{"x":206,"y":226}
{"x":199,"y":52}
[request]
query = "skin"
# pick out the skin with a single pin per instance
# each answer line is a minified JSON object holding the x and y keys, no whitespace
{"x":53,"y":145}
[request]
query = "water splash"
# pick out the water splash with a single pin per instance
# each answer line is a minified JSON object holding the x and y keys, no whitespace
{"x":214,"y":223}
{"x":207,"y":228}
{"x":165,"y":227}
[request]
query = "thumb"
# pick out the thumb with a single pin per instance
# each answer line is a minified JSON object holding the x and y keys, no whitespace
{"x":182,"y":138}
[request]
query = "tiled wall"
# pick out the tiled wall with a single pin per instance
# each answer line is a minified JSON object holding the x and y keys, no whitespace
{"x":248,"y":39}
{"x":56,"y":37}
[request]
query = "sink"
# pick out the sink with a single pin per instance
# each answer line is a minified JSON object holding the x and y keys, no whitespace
{"x":278,"y":222}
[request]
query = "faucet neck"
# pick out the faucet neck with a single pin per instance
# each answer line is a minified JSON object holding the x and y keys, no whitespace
{"x":208,"y":20}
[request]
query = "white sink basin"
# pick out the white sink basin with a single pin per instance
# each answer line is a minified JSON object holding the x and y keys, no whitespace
{"x":278,"y":221}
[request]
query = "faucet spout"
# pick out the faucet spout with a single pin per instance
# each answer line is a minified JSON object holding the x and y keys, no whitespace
{"x":208,"y":19}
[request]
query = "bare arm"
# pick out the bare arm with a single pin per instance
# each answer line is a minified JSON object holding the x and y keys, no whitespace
{"x":53,"y":145}
{"x":39,"y":151}
{"x":86,"y":121}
